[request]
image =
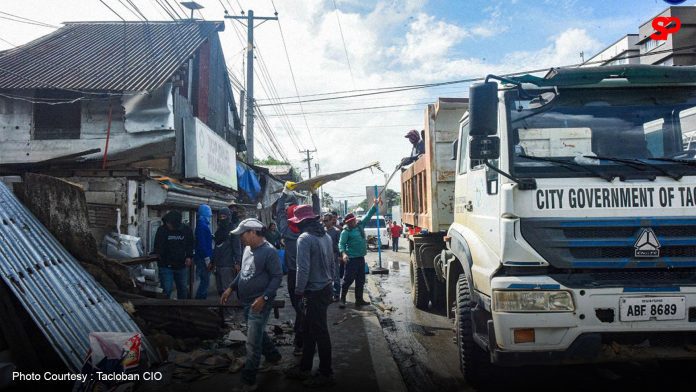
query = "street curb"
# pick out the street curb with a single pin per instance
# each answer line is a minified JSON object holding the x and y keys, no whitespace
{"x":389,"y":377}
{"x":387,"y":372}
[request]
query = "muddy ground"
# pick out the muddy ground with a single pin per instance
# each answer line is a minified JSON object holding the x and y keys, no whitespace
{"x":422,"y":343}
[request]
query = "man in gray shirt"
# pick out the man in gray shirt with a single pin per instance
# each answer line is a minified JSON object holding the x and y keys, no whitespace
{"x":315,"y":273}
{"x":256,"y":286}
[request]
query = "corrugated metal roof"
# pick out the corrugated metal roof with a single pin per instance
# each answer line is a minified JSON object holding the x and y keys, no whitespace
{"x":65,"y":301}
{"x":115,"y":56}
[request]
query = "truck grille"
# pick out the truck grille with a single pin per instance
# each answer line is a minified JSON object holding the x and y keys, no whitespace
{"x":610,"y":242}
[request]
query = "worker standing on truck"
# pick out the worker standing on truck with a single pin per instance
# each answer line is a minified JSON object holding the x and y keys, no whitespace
{"x":353,"y":249}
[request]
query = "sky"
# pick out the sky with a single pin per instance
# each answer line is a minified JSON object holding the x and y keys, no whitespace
{"x":362,"y":44}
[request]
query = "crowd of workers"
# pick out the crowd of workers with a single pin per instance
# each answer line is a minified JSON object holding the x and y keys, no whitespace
{"x":323,"y":257}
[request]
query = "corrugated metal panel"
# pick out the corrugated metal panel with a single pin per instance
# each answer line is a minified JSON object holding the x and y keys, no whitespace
{"x":64,"y":301}
{"x":114,"y":56}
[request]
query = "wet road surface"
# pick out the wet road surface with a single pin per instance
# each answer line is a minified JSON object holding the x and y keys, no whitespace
{"x":423,"y":345}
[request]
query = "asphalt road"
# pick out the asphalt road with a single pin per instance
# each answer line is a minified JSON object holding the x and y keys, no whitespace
{"x":422,"y":344}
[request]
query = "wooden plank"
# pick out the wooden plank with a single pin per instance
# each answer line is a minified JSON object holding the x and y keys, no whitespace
{"x":194,"y":303}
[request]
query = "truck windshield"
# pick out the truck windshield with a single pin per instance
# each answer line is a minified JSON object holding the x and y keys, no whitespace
{"x":656,"y":126}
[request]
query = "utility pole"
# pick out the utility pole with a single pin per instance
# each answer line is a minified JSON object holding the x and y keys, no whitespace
{"x":309,"y":160}
{"x":250,"y":19}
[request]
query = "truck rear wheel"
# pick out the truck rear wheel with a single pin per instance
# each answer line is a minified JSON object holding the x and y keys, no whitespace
{"x":474,"y":362}
{"x":419,"y":292}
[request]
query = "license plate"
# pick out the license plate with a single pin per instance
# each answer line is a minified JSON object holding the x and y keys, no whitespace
{"x":652,"y":308}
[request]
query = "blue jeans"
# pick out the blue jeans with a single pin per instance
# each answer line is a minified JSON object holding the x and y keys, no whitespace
{"x":258,"y":342}
{"x":340,"y":269}
{"x":203,"y":278}
{"x":169,"y":276}
{"x":395,"y":244}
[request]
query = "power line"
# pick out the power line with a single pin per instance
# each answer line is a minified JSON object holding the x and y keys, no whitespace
{"x":166,"y":10}
{"x":22,"y":19}
{"x":135,"y":7}
{"x":292,"y":74}
{"x":393,"y":89}
{"x":359,"y":109}
{"x":345,"y":49}
{"x":8,"y":42}
{"x":112,"y":10}
{"x":269,"y":88}
{"x":130,"y":10}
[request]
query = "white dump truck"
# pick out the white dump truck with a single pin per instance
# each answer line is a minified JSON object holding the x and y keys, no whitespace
{"x":572,"y":220}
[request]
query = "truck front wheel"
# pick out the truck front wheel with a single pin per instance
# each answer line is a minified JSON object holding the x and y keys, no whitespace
{"x":419,"y":292}
{"x":474,"y":362}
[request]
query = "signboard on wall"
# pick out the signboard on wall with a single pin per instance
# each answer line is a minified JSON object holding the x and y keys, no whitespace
{"x":208,"y":156}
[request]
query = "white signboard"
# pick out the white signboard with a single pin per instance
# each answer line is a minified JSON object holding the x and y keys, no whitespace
{"x":209,"y":156}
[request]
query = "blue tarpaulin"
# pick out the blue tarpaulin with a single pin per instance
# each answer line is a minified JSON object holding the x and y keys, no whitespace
{"x":247,"y":181}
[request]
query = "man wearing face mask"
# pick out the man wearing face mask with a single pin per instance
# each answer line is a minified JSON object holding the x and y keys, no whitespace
{"x":315,"y":273}
{"x":289,"y":232}
{"x":227,"y":252}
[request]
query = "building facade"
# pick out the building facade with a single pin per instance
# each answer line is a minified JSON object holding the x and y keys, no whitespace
{"x":140,"y":114}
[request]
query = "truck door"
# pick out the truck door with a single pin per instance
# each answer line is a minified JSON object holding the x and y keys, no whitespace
{"x":460,"y":184}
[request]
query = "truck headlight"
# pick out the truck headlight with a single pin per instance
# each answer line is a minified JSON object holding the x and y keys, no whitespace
{"x":532,"y":301}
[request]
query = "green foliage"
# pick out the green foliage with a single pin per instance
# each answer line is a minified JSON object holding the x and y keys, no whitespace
{"x":327,"y":201}
{"x":269,"y":161}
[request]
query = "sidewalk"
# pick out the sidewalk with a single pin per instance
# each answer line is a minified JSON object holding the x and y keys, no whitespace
{"x":362,"y":360}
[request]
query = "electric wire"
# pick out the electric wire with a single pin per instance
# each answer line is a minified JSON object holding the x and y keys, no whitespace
{"x":21,"y":19}
{"x":267,"y":85}
{"x":392,"y":89}
{"x":130,"y":10}
{"x":292,"y":74}
{"x":343,"y":40}
{"x":112,"y":10}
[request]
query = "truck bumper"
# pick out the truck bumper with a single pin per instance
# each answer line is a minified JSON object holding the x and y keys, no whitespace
{"x":594,"y":332}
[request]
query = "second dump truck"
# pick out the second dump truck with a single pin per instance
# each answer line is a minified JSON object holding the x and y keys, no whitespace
{"x":554,"y":218}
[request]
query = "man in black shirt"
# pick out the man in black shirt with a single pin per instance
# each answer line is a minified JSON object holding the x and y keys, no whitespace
{"x":174,"y":246}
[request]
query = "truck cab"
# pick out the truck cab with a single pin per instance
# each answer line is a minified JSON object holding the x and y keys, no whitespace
{"x":574,"y":228}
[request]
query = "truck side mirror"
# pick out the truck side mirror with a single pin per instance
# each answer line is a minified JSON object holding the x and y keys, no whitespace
{"x":483,"y":109}
{"x":484,"y":147}
{"x":455,"y":147}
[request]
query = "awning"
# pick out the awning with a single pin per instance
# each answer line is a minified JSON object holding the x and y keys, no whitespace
{"x":170,"y":194}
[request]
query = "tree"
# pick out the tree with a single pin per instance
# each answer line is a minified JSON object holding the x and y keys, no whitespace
{"x":269,"y":161}
{"x":391,"y":198}
{"x":327,"y":201}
